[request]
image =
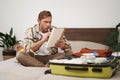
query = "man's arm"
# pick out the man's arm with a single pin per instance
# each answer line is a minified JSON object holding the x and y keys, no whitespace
{"x":37,"y":45}
{"x":63,"y":44}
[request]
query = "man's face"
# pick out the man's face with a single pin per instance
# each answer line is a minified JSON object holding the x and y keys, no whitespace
{"x":45,"y":24}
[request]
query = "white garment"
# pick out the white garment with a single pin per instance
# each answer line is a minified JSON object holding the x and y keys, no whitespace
{"x":43,"y":50}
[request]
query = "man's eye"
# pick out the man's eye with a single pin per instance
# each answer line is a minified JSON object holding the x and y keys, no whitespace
{"x":45,"y":21}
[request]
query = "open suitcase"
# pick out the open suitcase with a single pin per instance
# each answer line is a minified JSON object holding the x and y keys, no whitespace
{"x":90,"y":70}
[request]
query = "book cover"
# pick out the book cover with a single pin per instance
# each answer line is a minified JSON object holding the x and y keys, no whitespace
{"x":55,"y":35}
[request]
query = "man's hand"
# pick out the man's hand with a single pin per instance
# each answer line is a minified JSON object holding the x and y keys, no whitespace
{"x":61,"y":44}
{"x":46,"y":36}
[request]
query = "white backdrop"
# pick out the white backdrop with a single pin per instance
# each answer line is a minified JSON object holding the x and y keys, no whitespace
{"x":21,"y":14}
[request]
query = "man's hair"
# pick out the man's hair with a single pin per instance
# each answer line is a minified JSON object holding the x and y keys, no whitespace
{"x":44,"y":14}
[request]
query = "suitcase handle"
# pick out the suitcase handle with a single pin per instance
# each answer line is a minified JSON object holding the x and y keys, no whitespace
{"x":73,"y":68}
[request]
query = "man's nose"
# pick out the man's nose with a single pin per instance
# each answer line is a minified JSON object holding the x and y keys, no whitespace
{"x":48,"y":24}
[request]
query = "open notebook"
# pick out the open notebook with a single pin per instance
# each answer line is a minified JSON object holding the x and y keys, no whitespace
{"x":56,"y":34}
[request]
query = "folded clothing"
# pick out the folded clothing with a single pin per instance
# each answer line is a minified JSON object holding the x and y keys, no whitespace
{"x":101,"y":53}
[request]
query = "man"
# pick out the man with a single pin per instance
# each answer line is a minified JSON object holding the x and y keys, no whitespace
{"x":39,"y":35}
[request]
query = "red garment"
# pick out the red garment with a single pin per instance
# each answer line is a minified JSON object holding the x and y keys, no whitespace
{"x":101,"y":53}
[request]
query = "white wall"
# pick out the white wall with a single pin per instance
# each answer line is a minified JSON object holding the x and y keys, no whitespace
{"x":21,"y":14}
